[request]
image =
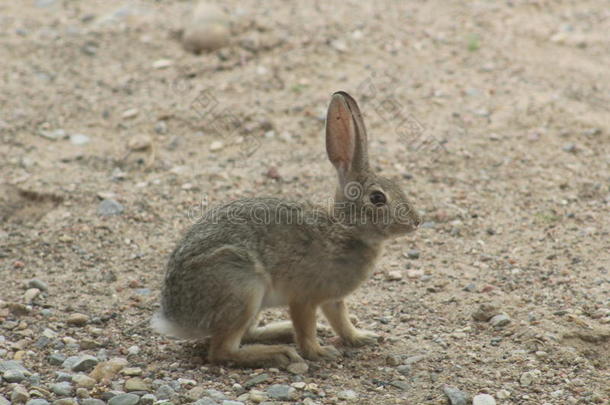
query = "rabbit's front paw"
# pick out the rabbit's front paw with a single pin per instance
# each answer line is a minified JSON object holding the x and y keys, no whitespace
{"x":321,"y":352}
{"x":361,"y":338}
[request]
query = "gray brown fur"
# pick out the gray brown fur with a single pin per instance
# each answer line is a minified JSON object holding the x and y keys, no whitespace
{"x":257,"y":253}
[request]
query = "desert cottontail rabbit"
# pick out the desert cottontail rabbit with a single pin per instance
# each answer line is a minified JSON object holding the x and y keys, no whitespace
{"x":251,"y":254}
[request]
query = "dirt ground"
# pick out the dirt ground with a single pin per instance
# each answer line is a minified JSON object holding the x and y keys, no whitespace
{"x":494,"y":115}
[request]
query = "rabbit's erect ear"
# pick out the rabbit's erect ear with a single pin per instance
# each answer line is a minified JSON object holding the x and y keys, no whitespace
{"x":346,"y":136}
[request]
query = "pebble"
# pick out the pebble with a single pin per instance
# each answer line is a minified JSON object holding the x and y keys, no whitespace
{"x":298,"y":368}
{"x":393,"y":275}
{"x":12,"y":365}
{"x":216,"y":146}
{"x":37,"y":401}
{"x":483,"y":399}
{"x":83,"y":381}
{"x":405,"y":369}
{"x":230,"y":402}
{"x":37,"y":283}
{"x":161,"y":127}
{"x":500,"y":320}
{"x":4,"y":401}
{"x":79,"y":139}
{"x":132,"y":371}
{"x":77,"y":319}
{"x":19,"y":394}
{"x":162,"y":63}
{"x":13,"y":376}
{"x":130,"y":113}
{"x":85,"y":363}
{"x":400,"y":385}
{"x":61,"y":376}
{"x":529,"y":377}
{"x":147,"y":399}
{"x":456,"y":397}
{"x":124,"y":399}
{"x":570,"y":148}
{"x":207,"y":29}
{"x":257,"y":396}
{"x":165,"y":392}
{"x":135,"y":384}
{"x":92,"y":401}
{"x":195,"y":393}
{"x":485,"y":312}
{"x":503,"y":394}
{"x":30,"y":295}
{"x":282,"y":392}
{"x":205,"y":401}
{"x":133,"y":350}
{"x":257,"y":380}
{"x":393,"y":360}
{"x":347,"y":395}
{"x":110,"y":207}
{"x":413,"y":254}
{"x":63,"y":389}
{"x":65,"y":401}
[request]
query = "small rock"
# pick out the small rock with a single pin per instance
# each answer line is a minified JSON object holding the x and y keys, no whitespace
{"x":132,"y":371}
{"x":79,"y":139}
{"x":37,"y":401}
{"x":19,"y":394}
{"x":195,"y":393}
{"x":161,"y":127}
{"x":109,"y":207}
{"x":85,"y":363}
{"x":393,"y":360}
{"x":207,"y":29}
{"x":415,"y":273}
{"x":257,"y":396}
{"x":133,"y":350}
{"x":216,"y":146}
{"x":230,"y":402}
{"x":499,"y":321}
{"x":77,"y":319}
{"x":60,"y":376}
{"x":570,"y":148}
{"x":62,"y":389}
{"x":297,"y":368}
{"x":83,"y":381}
{"x":529,"y":377}
{"x":108,"y":369}
{"x":393,"y":275}
{"x":135,"y":384}
{"x":162,"y":63}
{"x":165,"y":392}
{"x":257,"y":380}
{"x":205,"y":401}
{"x":124,"y":399}
{"x":282,"y":392}
{"x":456,"y":397}
{"x":413,"y":254}
{"x":65,"y":401}
{"x":13,"y":376}
{"x":4,"y":401}
{"x":405,"y":369}
{"x":37,"y":283}
{"x":485,"y":312}
{"x":30,"y":295}
{"x":347,"y":395}
{"x":401,"y":385}
{"x":12,"y":365}
{"x":130,"y":113}
{"x":147,"y":399}
{"x":483,"y":399}
{"x":503,"y":394}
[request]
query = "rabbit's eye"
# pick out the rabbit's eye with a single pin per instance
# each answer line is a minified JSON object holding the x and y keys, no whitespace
{"x":378,"y":198}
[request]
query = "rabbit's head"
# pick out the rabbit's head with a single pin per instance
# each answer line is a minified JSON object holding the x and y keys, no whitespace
{"x":374,"y":205}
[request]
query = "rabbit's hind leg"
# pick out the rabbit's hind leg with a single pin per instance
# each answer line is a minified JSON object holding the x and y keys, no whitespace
{"x":274,"y":332}
{"x":225,"y":347}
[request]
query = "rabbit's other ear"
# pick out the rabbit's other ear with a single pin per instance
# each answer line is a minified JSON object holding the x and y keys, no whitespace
{"x":346,"y":143}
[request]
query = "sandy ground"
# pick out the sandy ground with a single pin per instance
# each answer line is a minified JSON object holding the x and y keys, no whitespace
{"x":494,"y":115}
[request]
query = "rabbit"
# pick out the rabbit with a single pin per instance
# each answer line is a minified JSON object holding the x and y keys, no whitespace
{"x":257,"y":253}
